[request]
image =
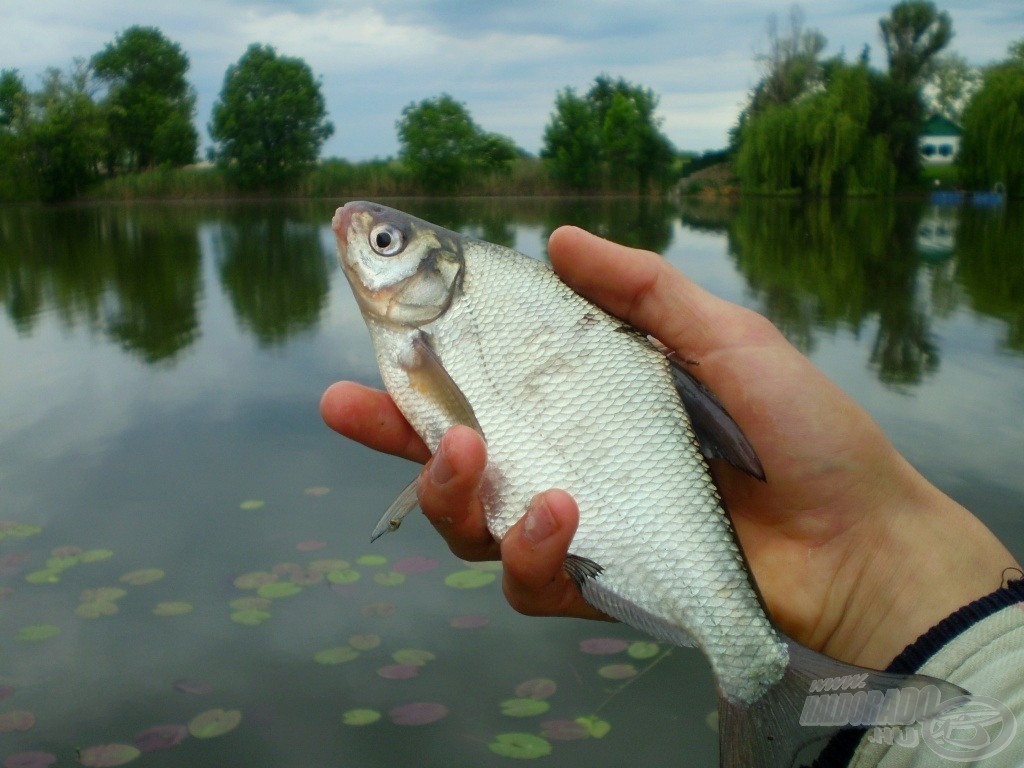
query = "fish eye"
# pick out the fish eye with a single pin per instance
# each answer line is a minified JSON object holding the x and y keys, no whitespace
{"x":386,"y":239}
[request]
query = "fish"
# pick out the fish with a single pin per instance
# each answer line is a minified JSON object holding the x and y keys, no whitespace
{"x":566,"y":395}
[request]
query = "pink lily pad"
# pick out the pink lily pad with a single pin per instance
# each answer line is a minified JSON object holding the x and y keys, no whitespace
{"x":310,"y":545}
{"x":160,"y":737}
{"x":563,"y":730}
{"x":317,"y":490}
{"x":600,"y":646}
{"x":418,"y":713}
{"x":16,"y":720}
{"x":378,"y":608}
{"x":415,"y":564}
{"x":539,"y":688}
{"x":30,"y":760}
{"x":399,"y":671}
{"x":196,"y":687}
{"x":5,"y":691}
{"x":617,"y":671}
{"x":470,"y":622}
{"x":107,"y":755}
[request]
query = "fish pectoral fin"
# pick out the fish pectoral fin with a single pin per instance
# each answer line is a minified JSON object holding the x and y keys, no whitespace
{"x":581,"y":569}
{"x":397,"y":511}
{"x":719,"y":435}
{"x":427,"y":371}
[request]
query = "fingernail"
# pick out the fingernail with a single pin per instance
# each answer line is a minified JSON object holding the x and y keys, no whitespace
{"x":440,"y":468}
{"x":540,"y":523}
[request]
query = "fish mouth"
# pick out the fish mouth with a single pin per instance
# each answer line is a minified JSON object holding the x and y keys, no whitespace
{"x":340,"y":223}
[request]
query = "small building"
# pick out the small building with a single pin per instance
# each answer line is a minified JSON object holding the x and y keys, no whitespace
{"x":940,"y":141}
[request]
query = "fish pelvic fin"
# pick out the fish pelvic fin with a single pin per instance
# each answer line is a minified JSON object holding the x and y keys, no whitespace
{"x":397,"y":511}
{"x":816,"y":698}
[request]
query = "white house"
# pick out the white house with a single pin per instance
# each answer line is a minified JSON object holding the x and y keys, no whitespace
{"x":940,"y":141}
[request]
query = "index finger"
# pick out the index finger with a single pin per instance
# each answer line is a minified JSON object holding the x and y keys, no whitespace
{"x":371,"y":417}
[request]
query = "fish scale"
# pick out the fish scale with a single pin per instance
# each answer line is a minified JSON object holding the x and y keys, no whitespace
{"x":567,"y":396}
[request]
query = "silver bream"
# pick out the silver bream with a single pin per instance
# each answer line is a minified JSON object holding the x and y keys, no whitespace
{"x":567,"y":396}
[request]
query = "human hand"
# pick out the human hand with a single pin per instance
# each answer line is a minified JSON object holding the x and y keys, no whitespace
{"x":855,"y":553}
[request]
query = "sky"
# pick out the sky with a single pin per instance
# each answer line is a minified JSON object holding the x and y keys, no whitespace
{"x":504,"y":60}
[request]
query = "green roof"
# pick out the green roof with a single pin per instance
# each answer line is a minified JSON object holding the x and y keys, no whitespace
{"x":937,"y":125}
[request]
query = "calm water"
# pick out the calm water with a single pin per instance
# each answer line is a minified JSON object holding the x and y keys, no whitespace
{"x":187,"y":545}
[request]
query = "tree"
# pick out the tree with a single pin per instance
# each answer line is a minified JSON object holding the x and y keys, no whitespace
{"x":913,"y":34}
{"x":441,"y":145}
{"x":950,"y":85}
{"x":992,"y":147}
{"x":148,"y":99}
{"x":14,"y":166}
{"x":270,"y":120}
{"x":791,"y":66}
{"x":572,"y":143}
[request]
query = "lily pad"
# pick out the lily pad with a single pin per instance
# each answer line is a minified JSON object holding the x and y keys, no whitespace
{"x":251,"y":603}
{"x":523,"y":746}
{"x":255,"y":579}
{"x":338,"y":655}
{"x":143,"y":576}
{"x":643,"y":649}
{"x":364,"y":642}
{"x":494,"y":566}
{"x":317,"y":490}
{"x":43,"y":576}
{"x":389,"y":578}
{"x":94,"y":609}
{"x":250,"y":504}
{"x":470,"y":622}
{"x":107,"y":755}
{"x":378,"y":608}
{"x":360,"y":717}
{"x":603,"y":645}
{"x":413,"y":656}
{"x":6,"y":691}
{"x":326,"y":566}
{"x":214,"y":722}
{"x":563,"y":730}
{"x":62,"y":563}
{"x":418,"y":713}
{"x":399,"y":671}
{"x":344,"y":576}
{"x":160,"y":737}
{"x":250,"y":617}
{"x":30,"y":760}
{"x":415,"y":564}
{"x":372,"y":560}
{"x":16,"y":720}
{"x":539,"y":688}
{"x":102,"y":595}
{"x":595,"y":726}
{"x":35,"y":632}
{"x":95,"y":555}
{"x":196,"y":687}
{"x":172,"y":608}
{"x":469,"y":579}
{"x":617,"y":671}
{"x":524,"y":707}
{"x":310,"y":545}
{"x":278,"y":590}
{"x":18,"y":530}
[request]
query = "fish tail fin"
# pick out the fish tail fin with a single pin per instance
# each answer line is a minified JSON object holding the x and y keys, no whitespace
{"x":816,"y":698}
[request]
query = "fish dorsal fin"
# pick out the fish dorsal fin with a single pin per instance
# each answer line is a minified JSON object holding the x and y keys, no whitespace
{"x":719,"y":435}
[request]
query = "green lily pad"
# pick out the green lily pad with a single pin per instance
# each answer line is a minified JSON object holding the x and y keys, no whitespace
{"x":524,"y":707}
{"x":95,"y":608}
{"x":364,"y":642}
{"x":251,"y":604}
{"x":95,"y":555}
{"x":255,"y":579}
{"x":16,"y":720}
{"x":469,"y":579}
{"x":43,"y":576}
{"x":102,"y":594}
{"x":62,"y":563}
{"x":414,"y":656}
{"x":251,"y":504}
{"x":143,"y":576}
{"x":595,"y":726}
{"x":250,"y":617}
{"x":389,"y":578}
{"x":19,"y":530}
{"x":338,"y":655}
{"x":34,"y":632}
{"x":344,"y":576}
{"x":360,"y":717}
{"x":494,"y":566}
{"x":523,"y":746}
{"x":617,"y":671}
{"x":214,"y":722}
{"x":643,"y":649}
{"x":279,"y":589}
{"x":172,"y":608}
{"x":372,"y":560}
{"x":107,"y":755}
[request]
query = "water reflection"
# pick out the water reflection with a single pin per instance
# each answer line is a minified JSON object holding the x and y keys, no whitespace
{"x":870,"y":267}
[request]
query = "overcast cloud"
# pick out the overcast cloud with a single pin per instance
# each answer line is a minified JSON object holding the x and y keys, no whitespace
{"x":504,"y":60}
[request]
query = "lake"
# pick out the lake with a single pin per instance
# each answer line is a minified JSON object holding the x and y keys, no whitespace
{"x":185,"y":569}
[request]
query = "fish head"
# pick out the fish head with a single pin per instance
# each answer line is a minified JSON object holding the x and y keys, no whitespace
{"x":403,"y":271}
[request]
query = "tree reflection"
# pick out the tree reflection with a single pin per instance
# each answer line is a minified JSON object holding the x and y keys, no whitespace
{"x":273,"y":270}
{"x":133,"y":275}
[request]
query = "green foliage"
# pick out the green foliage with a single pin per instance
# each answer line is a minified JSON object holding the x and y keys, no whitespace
{"x":951,"y":84}
{"x":609,"y":137}
{"x":913,"y":34}
{"x":820,"y":145}
{"x":442,"y":147}
{"x":149,"y":104}
{"x":791,"y":66}
{"x":270,"y":120}
{"x":992,"y":147}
